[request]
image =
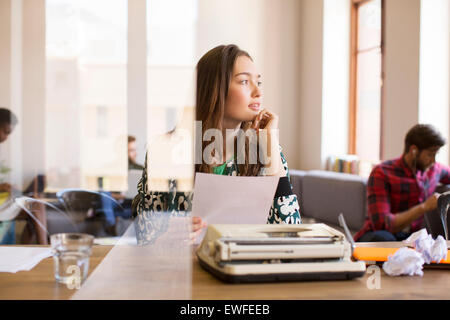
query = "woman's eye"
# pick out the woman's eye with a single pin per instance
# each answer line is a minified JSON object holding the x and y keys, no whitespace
{"x":259,"y":83}
{"x":244,"y":81}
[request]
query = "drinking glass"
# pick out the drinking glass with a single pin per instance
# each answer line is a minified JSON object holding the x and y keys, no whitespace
{"x":71,"y":252}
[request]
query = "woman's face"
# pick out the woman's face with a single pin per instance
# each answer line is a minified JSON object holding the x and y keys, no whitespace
{"x":5,"y":131}
{"x":244,"y":98}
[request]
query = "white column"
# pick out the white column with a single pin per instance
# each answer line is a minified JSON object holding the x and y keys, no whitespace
{"x":16,"y":151}
{"x":5,"y":53}
{"x":309,"y":132}
{"x":137,"y":75}
{"x":281,"y":72}
{"x":11,"y":84}
{"x":401,"y":85}
{"x":33,"y":86}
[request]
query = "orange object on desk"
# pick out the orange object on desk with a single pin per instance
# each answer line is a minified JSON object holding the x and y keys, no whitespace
{"x":381,"y":254}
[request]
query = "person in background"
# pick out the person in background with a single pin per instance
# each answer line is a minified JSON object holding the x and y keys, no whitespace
{"x":132,"y":165}
{"x":132,"y":154}
{"x":402,"y":190}
{"x":116,"y":204}
{"x":8,"y":121}
{"x":34,"y":232}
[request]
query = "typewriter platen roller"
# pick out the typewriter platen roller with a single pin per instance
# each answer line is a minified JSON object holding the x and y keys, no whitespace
{"x":263,"y":253}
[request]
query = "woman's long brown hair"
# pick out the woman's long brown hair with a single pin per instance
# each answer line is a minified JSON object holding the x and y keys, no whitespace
{"x":214,"y":72}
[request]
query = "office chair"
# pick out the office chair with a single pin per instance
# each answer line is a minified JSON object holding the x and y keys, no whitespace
{"x":44,"y":216}
{"x":93,"y":212}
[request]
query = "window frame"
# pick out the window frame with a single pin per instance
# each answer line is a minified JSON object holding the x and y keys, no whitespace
{"x":353,"y":104}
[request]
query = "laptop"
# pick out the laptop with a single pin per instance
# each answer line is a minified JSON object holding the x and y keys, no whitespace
{"x":432,"y":219}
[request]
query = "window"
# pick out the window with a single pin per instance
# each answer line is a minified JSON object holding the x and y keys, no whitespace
{"x":171,"y":41}
{"x":366,"y":80}
{"x":86,"y":53}
{"x":171,"y":30}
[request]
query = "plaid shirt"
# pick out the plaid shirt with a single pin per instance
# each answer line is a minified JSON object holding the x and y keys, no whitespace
{"x":392,"y":188}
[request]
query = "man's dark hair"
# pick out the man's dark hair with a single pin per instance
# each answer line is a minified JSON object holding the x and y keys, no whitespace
{"x":423,"y":136}
{"x":131,"y":139}
{"x":8,"y":117}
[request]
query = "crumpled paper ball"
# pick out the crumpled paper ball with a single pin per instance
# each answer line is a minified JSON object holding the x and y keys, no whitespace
{"x":431,"y":250}
{"x":439,"y":250}
{"x":405,"y":261}
{"x":410,"y":262}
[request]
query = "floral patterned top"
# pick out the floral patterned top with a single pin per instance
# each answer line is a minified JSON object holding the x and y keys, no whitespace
{"x":151,"y":208}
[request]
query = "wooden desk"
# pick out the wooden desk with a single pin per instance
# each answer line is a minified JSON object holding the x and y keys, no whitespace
{"x":433,"y":285}
{"x":40,"y":284}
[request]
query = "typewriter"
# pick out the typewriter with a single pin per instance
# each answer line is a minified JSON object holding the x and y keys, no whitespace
{"x":270,"y":253}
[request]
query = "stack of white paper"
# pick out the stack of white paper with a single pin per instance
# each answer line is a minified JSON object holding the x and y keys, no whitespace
{"x":14,"y":259}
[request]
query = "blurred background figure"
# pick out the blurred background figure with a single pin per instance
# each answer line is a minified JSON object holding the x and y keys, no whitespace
{"x":35,"y":228}
{"x":132,"y":154}
{"x":117,"y":205}
{"x":8,"y":121}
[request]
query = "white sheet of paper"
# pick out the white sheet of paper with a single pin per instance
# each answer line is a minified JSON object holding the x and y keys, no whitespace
{"x":14,"y":259}
{"x":232,"y":199}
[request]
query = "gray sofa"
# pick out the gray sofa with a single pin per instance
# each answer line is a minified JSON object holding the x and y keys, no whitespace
{"x":325,"y":194}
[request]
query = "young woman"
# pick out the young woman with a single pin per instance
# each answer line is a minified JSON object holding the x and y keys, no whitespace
{"x":229,"y":100}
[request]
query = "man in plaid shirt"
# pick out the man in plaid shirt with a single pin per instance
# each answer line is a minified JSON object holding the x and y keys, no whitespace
{"x":401,"y":191}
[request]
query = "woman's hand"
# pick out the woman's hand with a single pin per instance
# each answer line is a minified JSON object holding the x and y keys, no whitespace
{"x":197,"y":227}
{"x":265,"y":120}
{"x":269,"y":141}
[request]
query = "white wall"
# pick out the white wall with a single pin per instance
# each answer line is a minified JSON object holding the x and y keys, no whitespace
{"x":231,"y":22}
{"x":268,"y":31}
{"x":137,"y":76}
{"x":434,"y":68}
{"x":310,"y":86}
{"x":15,"y":139}
{"x":282,"y":71}
{"x":22,"y":84}
{"x":401,"y":85}
{"x":33,"y":89}
{"x":6,"y":57}
{"x":5,"y":53}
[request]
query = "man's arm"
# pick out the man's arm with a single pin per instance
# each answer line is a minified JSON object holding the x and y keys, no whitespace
{"x":379,"y":207}
{"x":444,"y":176}
{"x":405,"y":218}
